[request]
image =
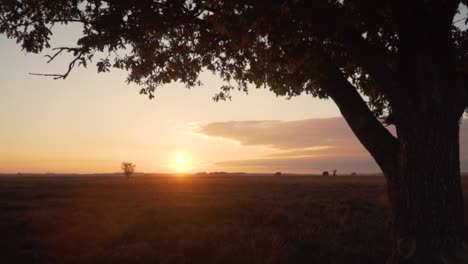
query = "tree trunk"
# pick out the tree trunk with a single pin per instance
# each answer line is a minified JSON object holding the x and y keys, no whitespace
{"x":425,"y":193}
{"x":422,"y":165}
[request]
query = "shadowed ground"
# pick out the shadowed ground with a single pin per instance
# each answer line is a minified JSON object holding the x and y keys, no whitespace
{"x":224,"y":219}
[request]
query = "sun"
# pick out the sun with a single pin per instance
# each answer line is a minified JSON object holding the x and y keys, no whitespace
{"x":181,"y":162}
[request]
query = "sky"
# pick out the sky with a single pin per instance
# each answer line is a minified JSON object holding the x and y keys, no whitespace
{"x":90,"y":123}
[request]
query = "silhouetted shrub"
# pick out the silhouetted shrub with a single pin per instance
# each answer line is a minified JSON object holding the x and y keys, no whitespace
{"x":128,"y":168}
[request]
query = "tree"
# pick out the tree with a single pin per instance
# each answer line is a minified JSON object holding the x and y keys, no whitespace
{"x":128,"y":168}
{"x":382,"y":62}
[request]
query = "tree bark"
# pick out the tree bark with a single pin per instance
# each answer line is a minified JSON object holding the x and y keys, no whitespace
{"x":426,"y":195}
{"x":425,"y":191}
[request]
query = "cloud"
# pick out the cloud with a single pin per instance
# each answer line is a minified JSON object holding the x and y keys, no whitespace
{"x":285,"y":135}
{"x":309,"y":145}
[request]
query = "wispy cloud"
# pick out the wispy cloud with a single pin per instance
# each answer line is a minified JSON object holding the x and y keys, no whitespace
{"x":309,"y":145}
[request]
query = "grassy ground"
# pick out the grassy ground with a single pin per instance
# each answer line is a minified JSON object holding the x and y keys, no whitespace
{"x":258,"y":219}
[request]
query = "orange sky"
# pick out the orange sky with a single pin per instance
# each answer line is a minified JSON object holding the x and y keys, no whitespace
{"x":91,"y":122}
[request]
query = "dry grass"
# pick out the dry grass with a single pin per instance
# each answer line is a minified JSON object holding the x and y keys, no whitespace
{"x":256,"y":219}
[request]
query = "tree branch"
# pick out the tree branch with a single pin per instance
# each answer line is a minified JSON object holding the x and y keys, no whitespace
{"x":59,"y":50}
{"x":71,"y":65}
{"x":460,"y":20}
{"x":66,"y":21}
{"x":370,"y":57}
{"x":465,"y":96}
{"x":373,"y":61}
{"x":460,"y":97}
{"x":380,"y":143}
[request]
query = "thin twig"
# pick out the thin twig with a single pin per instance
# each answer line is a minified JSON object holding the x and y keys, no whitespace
{"x":59,"y":51}
{"x":71,"y":65}
{"x":56,"y":76}
{"x":459,"y":20}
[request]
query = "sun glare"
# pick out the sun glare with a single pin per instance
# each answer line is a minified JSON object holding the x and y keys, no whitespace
{"x":182,"y":162}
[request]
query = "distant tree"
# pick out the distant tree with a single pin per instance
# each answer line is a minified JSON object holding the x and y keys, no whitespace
{"x":407,"y":58}
{"x":353,"y":174}
{"x":128,"y":168}
{"x":334,"y":172}
{"x":219,"y":173}
{"x":325,"y":173}
{"x":278,"y":173}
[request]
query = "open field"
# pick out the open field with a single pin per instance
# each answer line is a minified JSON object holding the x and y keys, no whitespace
{"x":258,"y":219}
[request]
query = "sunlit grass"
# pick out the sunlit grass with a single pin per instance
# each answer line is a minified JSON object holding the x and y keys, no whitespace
{"x":220,"y":219}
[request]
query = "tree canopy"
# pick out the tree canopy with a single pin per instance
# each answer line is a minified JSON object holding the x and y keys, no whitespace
{"x":289,"y":46}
